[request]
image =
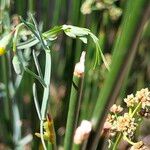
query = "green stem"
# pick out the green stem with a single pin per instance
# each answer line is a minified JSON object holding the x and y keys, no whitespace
{"x":57,"y":11}
{"x":41,"y":133}
{"x":31,"y":5}
{"x":119,"y":137}
{"x":136,"y":109}
{"x":45,"y":100}
{"x":76,"y":146}
{"x":128,"y":140}
{"x":85,"y":104}
{"x":5,"y":79}
{"x":72,"y":115}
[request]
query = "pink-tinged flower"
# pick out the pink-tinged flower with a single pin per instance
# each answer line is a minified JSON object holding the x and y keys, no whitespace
{"x":143,"y":96}
{"x":82,"y":132}
{"x":79,"y":67}
{"x":126,"y":124}
{"x":130,"y":100}
{"x":116,"y":109}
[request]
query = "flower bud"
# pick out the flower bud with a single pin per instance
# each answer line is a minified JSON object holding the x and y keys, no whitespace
{"x":48,"y":130}
{"x":115,"y":13}
{"x":82,"y":132}
{"x":79,"y":67}
{"x":116,"y":109}
{"x":86,"y":7}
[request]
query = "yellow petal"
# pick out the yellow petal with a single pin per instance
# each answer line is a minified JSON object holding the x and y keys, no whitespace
{"x":2,"y":51}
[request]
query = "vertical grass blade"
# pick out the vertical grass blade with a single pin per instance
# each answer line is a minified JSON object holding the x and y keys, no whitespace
{"x":73,"y":113}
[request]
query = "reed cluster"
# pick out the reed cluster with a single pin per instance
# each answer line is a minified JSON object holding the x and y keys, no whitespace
{"x":65,"y":68}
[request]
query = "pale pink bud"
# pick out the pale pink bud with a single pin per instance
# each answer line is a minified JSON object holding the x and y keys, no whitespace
{"x":82,"y":132}
{"x":79,"y":67}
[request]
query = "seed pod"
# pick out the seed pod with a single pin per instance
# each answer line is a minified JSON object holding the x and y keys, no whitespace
{"x":17,"y":65}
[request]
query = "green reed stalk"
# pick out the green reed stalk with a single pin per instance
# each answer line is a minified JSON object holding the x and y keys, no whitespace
{"x":71,"y":51}
{"x":125,"y":49}
{"x":73,"y":112}
{"x":57,"y":12}
{"x":6,"y":82}
{"x":31,"y":5}
{"x":76,"y":146}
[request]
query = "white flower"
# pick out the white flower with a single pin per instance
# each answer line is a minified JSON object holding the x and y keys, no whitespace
{"x":130,"y":100}
{"x":116,"y":109}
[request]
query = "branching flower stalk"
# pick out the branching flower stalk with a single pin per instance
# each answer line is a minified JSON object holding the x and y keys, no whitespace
{"x":124,"y":126}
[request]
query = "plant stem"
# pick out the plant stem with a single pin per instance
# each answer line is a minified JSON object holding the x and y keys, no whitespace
{"x":5,"y":79}
{"x":117,"y":141}
{"x":136,"y":109}
{"x":41,"y":133}
{"x":45,"y":100}
{"x":128,"y":140}
{"x":76,"y":146}
{"x":72,"y":114}
{"x":31,"y":6}
{"x":57,"y":12}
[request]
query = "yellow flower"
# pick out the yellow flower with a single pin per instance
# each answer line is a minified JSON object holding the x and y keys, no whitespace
{"x":2,"y":51}
{"x":4,"y":42}
{"x":48,"y":130}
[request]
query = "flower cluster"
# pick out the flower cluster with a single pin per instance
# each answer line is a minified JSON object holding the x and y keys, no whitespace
{"x":143,"y":96}
{"x":141,"y":99}
{"x":116,"y":109}
{"x":86,"y":7}
{"x":107,"y":5}
{"x":138,"y":106}
{"x":130,"y":100}
{"x":126,"y":124}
